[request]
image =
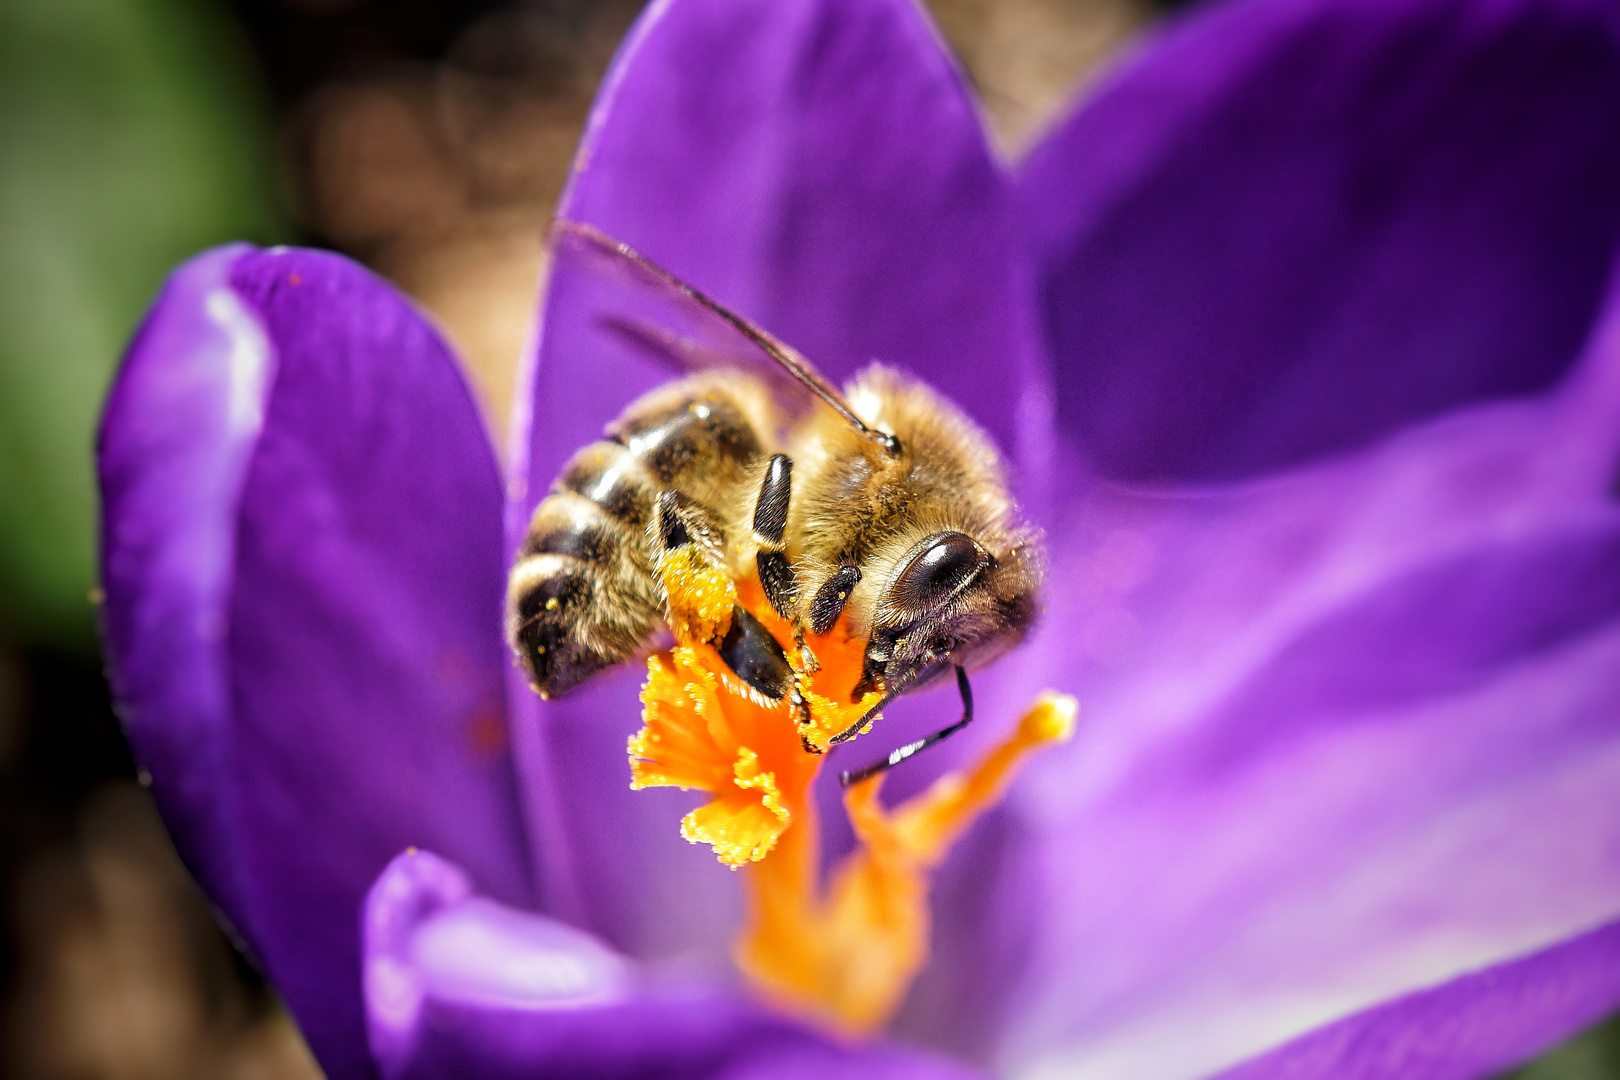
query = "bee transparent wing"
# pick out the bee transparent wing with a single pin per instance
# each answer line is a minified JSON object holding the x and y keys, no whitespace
{"x":662,"y":315}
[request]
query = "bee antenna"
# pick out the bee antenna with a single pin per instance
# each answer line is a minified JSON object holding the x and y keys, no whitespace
{"x":786,"y":357}
{"x":897,"y":756}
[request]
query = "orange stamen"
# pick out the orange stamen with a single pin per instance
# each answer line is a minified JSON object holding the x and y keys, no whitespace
{"x":844,"y":954}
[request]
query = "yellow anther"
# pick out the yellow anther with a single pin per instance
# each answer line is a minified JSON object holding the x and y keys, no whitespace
{"x":843,"y":952}
{"x":847,"y":956}
{"x":742,"y":827}
{"x":1050,"y":719}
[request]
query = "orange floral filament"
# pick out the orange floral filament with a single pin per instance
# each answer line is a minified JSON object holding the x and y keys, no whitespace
{"x":843,"y":953}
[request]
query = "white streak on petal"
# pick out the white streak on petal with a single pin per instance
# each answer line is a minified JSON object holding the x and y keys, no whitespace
{"x":247,"y":360}
{"x":482,"y":952}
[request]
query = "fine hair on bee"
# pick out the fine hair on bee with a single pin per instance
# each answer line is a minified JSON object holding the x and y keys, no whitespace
{"x":882,"y":504}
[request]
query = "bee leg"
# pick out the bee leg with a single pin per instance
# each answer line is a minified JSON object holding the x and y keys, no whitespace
{"x":747,"y":647}
{"x":678,"y":521}
{"x":829,"y":601}
{"x":754,"y":656}
{"x":672,"y":532}
{"x":825,"y":607}
{"x":770,"y":526}
{"x":775,"y":572}
{"x":809,"y":663}
{"x":908,"y":750}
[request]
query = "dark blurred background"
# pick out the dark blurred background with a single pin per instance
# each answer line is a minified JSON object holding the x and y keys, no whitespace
{"x":427,"y":138}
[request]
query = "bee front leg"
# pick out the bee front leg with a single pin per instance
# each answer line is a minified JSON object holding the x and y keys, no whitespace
{"x":829,"y":601}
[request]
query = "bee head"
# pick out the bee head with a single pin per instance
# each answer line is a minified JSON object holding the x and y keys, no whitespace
{"x":951,"y":601}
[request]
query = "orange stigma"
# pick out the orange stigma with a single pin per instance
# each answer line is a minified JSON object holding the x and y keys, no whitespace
{"x":845,"y":952}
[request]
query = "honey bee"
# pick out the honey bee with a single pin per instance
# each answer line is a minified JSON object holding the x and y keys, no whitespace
{"x":884,"y":505}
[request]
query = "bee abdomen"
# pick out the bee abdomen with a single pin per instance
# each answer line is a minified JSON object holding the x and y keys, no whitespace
{"x":580,"y":597}
{"x":693,"y":438}
{"x":610,"y":476}
{"x":583,"y":595}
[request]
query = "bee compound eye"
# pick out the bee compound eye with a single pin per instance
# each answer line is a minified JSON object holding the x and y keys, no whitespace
{"x":944,"y":565}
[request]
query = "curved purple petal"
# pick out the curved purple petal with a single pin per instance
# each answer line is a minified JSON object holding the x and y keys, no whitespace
{"x":1290,"y":227}
{"x":1477,"y":1025}
{"x":1346,"y":734}
{"x":459,"y":986}
{"x":175,"y":440}
{"x":302,"y":558}
{"x":819,"y":166}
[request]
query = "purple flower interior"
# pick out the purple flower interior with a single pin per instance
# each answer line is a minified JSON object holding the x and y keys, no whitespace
{"x":1293,"y":227}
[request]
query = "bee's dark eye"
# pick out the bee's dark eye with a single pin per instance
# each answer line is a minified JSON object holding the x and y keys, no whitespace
{"x":947,"y":563}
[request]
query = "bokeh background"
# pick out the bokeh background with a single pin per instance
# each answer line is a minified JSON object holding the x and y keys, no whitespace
{"x":427,"y":138}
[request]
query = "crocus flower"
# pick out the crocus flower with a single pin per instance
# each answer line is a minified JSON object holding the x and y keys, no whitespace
{"x":1301,"y":336}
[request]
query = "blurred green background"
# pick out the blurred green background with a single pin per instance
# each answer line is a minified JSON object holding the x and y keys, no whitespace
{"x":428,"y":138}
{"x":134,"y":135}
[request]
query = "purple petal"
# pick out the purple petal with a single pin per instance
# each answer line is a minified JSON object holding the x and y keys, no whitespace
{"x":175,"y":441}
{"x":303,"y":566}
{"x":429,"y":940}
{"x":1477,"y":1025}
{"x":1346,"y":734}
{"x":1288,"y":228}
{"x":819,"y":166}
{"x":459,"y":986}
{"x":1230,"y":891}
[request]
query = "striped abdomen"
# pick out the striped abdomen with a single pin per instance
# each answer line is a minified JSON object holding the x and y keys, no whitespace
{"x":583,"y":595}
